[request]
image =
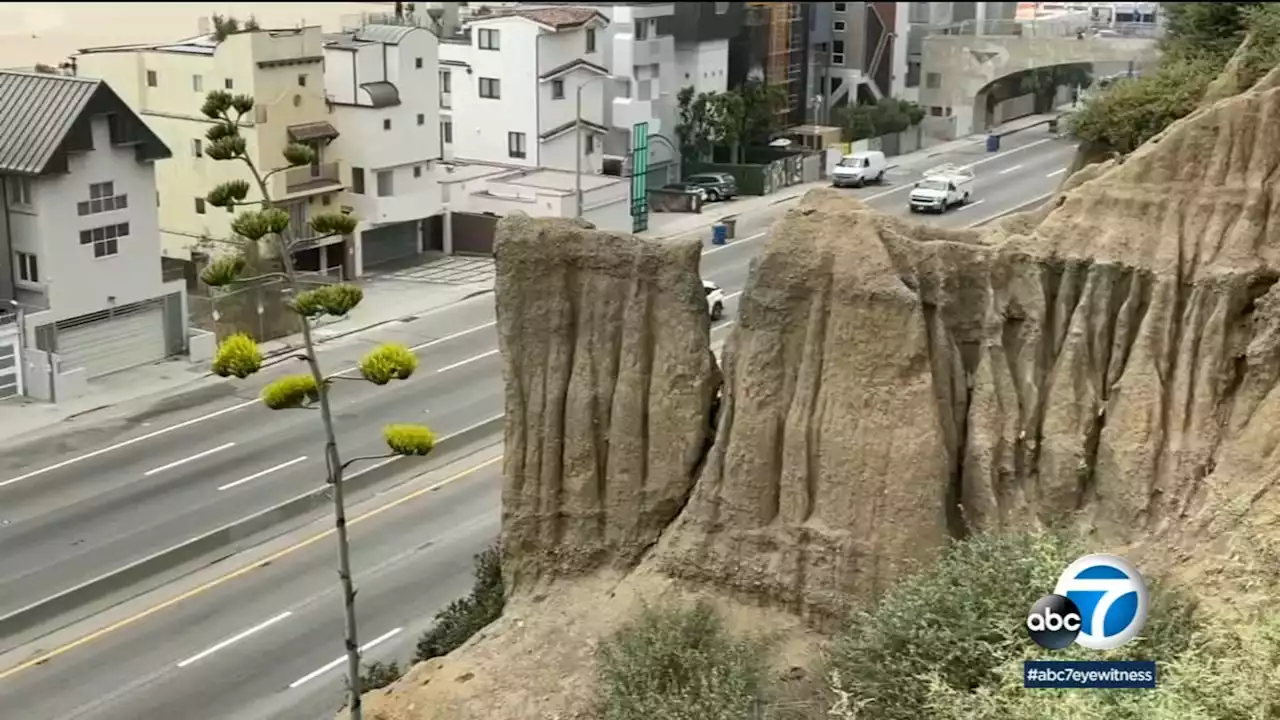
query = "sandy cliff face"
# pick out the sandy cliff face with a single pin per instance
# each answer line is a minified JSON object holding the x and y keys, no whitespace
{"x":1111,"y":362}
{"x":609,"y":383}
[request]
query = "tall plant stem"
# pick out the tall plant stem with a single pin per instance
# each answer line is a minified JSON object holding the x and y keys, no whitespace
{"x":333,"y":462}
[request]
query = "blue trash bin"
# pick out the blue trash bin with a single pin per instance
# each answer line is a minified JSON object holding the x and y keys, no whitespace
{"x":719,"y":234}
{"x":993,"y":143}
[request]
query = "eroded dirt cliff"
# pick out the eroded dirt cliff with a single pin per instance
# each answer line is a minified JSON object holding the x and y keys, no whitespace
{"x":1110,"y":362}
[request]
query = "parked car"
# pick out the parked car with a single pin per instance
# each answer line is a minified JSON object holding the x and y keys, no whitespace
{"x":685,"y":187}
{"x":715,"y":299}
{"x":859,"y":168}
{"x":717,"y":186}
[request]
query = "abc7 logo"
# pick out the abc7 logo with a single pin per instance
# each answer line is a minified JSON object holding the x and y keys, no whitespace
{"x":1116,"y":602}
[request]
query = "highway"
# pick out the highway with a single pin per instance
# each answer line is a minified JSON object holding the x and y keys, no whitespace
{"x":69,"y":516}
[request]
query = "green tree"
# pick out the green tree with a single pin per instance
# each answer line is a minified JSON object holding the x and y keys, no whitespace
{"x":694,"y":130}
{"x":763,"y":112}
{"x":1043,"y":83}
{"x":261,"y":233}
{"x":1214,"y":28}
{"x":727,"y":117}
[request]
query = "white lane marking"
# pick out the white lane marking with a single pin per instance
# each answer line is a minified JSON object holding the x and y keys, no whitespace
{"x":127,"y":443}
{"x":188,"y":423}
{"x":1009,"y":211}
{"x":973,"y":204}
{"x":150,"y":558}
{"x":234,"y":639}
{"x":471,"y":359}
{"x":186,"y":460}
{"x":1056,"y":173}
{"x":260,"y":473}
{"x":971,"y":165}
{"x":363,"y":649}
{"x":732,"y":243}
{"x":1008,"y":170}
{"x":732,"y":295}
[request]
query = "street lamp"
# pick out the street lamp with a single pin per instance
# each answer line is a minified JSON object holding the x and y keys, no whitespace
{"x":577,"y":134}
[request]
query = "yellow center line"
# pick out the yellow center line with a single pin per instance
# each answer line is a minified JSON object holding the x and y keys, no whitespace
{"x":98,"y":634}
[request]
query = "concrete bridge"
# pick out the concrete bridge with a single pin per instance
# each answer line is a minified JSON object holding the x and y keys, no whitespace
{"x":958,"y":70}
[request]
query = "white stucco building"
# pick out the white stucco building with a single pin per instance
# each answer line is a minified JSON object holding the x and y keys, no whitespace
{"x":282,"y":70}
{"x":80,"y":238}
{"x":511,"y":83}
{"x":382,"y":83}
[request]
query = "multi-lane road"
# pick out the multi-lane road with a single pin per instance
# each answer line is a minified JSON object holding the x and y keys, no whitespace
{"x":253,"y":643}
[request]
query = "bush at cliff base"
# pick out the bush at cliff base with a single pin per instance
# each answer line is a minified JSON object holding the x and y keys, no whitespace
{"x":467,"y":616}
{"x":675,"y":663}
{"x":948,"y":644}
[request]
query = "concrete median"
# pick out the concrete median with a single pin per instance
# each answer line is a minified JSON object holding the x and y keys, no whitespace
{"x":64,"y":605}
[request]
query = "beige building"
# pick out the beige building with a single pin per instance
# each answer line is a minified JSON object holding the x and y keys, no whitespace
{"x":283,"y":71}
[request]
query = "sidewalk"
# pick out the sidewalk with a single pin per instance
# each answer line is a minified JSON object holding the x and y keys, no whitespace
{"x":678,"y":224}
{"x":178,"y":384}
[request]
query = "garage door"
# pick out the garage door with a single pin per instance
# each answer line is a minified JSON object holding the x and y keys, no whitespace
{"x":389,"y":243}
{"x":104,"y":342}
{"x":8,"y":369}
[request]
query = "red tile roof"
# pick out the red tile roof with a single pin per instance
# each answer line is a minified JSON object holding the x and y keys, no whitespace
{"x":559,"y":18}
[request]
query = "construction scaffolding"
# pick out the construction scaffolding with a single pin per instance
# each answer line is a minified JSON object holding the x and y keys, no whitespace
{"x":785,"y":57}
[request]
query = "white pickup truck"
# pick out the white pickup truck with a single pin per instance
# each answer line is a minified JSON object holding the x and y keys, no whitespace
{"x":942,"y":188}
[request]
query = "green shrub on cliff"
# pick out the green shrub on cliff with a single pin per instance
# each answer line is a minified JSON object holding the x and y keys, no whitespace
{"x":467,"y":616}
{"x":675,"y":663}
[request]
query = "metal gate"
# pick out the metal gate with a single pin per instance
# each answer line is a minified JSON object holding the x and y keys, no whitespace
{"x":113,"y":340}
{"x":8,"y":369}
{"x":389,"y":243}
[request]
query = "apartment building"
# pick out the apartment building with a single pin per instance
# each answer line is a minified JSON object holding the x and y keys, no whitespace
{"x":773,"y":48}
{"x":510,"y":84}
{"x":81,"y":289}
{"x":282,"y":70}
{"x":383,"y":85}
{"x":702,"y":32}
{"x":924,"y":18}
{"x":852,"y":48}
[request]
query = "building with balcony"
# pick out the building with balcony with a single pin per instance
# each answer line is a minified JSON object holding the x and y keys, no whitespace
{"x":81,"y":289}
{"x":510,"y":85}
{"x":851,"y":48}
{"x":282,"y":70}
{"x":383,"y":84}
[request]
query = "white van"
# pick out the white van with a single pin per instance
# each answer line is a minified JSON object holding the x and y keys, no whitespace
{"x":859,"y":168}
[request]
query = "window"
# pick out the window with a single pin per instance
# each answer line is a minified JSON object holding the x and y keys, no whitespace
{"x":490,"y":88}
{"x":197,"y":83}
{"x":933,"y":81}
{"x":557,"y":89}
{"x":488,"y":39}
{"x":199,"y":206}
{"x":417,"y":171}
{"x":589,"y":143}
{"x":259,"y":113}
{"x":838,"y":26}
{"x":386,"y":123}
{"x":28,"y":268}
{"x":515,"y":145}
{"x":102,"y":198}
{"x":357,"y":180}
{"x":642,"y":30}
{"x":302,"y":80}
{"x":446,"y":81}
{"x":326,"y":200}
{"x":591,"y":40}
{"x":837,"y":52}
{"x":384,"y":181}
{"x":105,"y":240}
{"x":229,"y":84}
{"x":417,"y":63}
{"x":446,"y":132}
{"x":197,"y":148}
{"x":841,"y":7}
{"x":153,"y":80}
{"x":422,"y":119}
{"x":19,"y":190}
{"x":722,"y":8}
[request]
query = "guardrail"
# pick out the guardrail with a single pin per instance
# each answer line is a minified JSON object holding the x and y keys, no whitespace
{"x":310,"y":505}
{"x":1064,"y":27}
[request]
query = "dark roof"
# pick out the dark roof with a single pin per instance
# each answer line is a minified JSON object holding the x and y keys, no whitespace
{"x":43,"y":116}
{"x":561,"y":129}
{"x":579,"y":63}
{"x":382,"y":93}
{"x":306,"y":132}
{"x":556,"y":18}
